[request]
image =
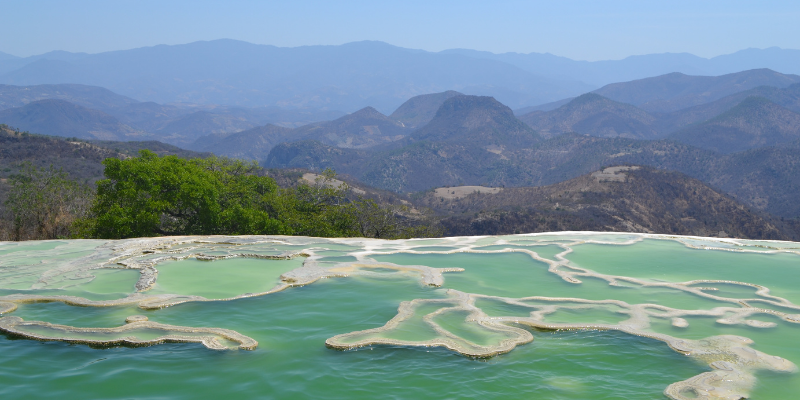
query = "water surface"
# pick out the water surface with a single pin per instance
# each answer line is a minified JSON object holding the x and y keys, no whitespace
{"x":442,"y":318}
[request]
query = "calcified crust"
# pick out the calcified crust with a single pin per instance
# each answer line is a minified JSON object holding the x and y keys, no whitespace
{"x":447,"y":339}
{"x":146,"y":254}
{"x":733,"y":363}
{"x":731,"y":359}
{"x":209,"y":337}
{"x":312,"y":272}
{"x":7,"y":307}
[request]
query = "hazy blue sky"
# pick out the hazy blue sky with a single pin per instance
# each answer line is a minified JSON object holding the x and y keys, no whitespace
{"x":586,"y":30}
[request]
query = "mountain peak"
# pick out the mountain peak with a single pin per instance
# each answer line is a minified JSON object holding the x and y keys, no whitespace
{"x":593,"y":114}
{"x":467,"y":103}
{"x":367,"y":112}
{"x":364,"y":128}
{"x":587,"y":98}
{"x":479,"y":119}
{"x":419,"y":110}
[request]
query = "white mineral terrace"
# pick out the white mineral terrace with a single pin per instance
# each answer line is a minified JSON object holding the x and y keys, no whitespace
{"x":732,"y":360}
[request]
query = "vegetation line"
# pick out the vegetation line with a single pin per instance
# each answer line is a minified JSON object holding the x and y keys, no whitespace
{"x":152,"y":195}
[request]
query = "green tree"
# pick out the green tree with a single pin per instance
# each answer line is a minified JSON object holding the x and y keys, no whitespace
{"x":152,"y":196}
{"x":319,"y":208}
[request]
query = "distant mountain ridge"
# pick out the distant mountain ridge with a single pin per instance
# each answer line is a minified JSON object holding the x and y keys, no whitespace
{"x":635,"y":67}
{"x":788,"y":97}
{"x":86,"y":96}
{"x":355,"y":75}
{"x":468,"y":135}
{"x":62,"y":118}
{"x":595,"y":115}
{"x":6,"y":56}
{"x":368,"y":128}
{"x":185,"y":126}
{"x":675,"y":91}
{"x":755,"y":122}
{"x":364,"y":128}
{"x":177,"y":124}
{"x":251,"y":144}
{"x":467,"y":139}
{"x":233,"y":73}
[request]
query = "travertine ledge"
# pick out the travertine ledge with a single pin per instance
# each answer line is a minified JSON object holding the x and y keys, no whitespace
{"x":212,"y":338}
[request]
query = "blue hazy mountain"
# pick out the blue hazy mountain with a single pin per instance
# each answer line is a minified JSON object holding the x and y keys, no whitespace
{"x":419,"y":110}
{"x":62,"y":118}
{"x":352,"y":76}
{"x":594,"y":115}
{"x":7,"y":57}
{"x":601,"y":73}
{"x":788,"y":97}
{"x":652,"y":108}
{"x":347,"y":77}
{"x":755,"y":122}
{"x":87,"y":96}
{"x":74,"y":110}
{"x":676,"y":91}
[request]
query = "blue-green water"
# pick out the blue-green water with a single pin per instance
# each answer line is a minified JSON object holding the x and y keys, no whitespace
{"x":361,"y":287}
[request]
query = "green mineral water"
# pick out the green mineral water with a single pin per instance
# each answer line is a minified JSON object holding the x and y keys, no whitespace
{"x":539,"y":316}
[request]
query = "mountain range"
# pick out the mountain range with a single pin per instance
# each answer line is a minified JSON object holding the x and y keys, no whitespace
{"x":475,"y":140}
{"x":601,"y":73}
{"x":755,"y":122}
{"x":738,"y":133}
{"x":98,"y":113}
{"x":368,"y":128}
{"x":355,"y":75}
{"x":62,"y":118}
{"x":627,"y":198}
{"x":675,"y":91}
{"x":592,"y":114}
{"x":233,"y":73}
{"x":596,"y":115}
{"x":364,"y":128}
{"x":93,"y":97}
{"x":435,"y":139}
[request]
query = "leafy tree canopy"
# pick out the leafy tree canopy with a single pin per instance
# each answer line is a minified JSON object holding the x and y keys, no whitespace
{"x":152,"y":196}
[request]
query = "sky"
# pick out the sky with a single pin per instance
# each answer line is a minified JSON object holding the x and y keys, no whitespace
{"x":581,"y":30}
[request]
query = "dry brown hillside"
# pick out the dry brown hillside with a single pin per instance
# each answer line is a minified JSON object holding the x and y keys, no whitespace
{"x":629,"y":199}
